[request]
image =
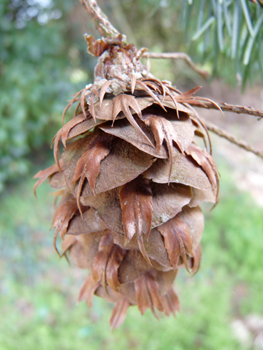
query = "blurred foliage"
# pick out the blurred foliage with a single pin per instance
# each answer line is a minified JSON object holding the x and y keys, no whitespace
{"x":35,"y":78}
{"x":38,"y":293}
{"x":229,"y":30}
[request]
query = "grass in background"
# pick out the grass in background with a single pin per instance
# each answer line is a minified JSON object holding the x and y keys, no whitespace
{"x":38,"y":292}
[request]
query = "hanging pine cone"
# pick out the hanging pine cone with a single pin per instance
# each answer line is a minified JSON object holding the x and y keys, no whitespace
{"x":131,"y":178}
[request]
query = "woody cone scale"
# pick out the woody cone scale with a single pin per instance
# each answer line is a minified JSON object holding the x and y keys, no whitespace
{"x":131,"y":178}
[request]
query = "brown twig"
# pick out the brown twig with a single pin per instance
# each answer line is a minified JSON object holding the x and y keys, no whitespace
{"x":100,"y":20}
{"x":175,"y":56}
{"x":222,"y":133}
{"x":235,"y":109}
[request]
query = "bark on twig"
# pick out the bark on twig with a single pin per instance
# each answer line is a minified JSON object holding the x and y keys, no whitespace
{"x":175,"y":56}
{"x":235,"y":109}
{"x":100,"y":20}
{"x":226,"y":135}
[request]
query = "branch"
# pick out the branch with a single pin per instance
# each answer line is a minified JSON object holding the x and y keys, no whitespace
{"x":100,"y":20}
{"x":208,"y":105}
{"x":178,"y":55}
{"x":222,"y":133}
{"x":234,"y":108}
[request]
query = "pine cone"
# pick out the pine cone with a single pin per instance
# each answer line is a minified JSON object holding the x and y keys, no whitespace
{"x":131,"y":179}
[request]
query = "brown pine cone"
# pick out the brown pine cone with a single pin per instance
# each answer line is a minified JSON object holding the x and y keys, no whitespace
{"x":131,"y":178}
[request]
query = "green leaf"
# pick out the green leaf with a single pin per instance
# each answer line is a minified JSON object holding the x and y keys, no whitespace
{"x":227,"y":18}
{"x":220,"y":26}
{"x":201,"y":14}
{"x":252,"y":40}
{"x":204,"y":28}
{"x":236,"y":28}
{"x":247,"y":17}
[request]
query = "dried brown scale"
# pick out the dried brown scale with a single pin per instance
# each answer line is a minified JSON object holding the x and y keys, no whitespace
{"x":131,"y":179}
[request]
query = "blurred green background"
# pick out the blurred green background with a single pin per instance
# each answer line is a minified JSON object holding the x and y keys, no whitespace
{"x":43,"y":61}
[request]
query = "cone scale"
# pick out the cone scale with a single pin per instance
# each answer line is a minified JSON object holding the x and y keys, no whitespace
{"x":131,"y":178}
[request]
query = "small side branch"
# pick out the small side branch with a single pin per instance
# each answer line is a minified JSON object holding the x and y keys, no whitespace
{"x":222,"y":133}
{"x":235,"y":109}
{"x":175,"y":56}
{"x":208,"y":105}
{"x":100,"y":20}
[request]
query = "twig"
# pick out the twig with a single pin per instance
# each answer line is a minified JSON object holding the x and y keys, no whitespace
{"x":100,"y":20}
{"x":235,"y":109}
{"x":222,"y":133}
{"x":175,"y":56}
